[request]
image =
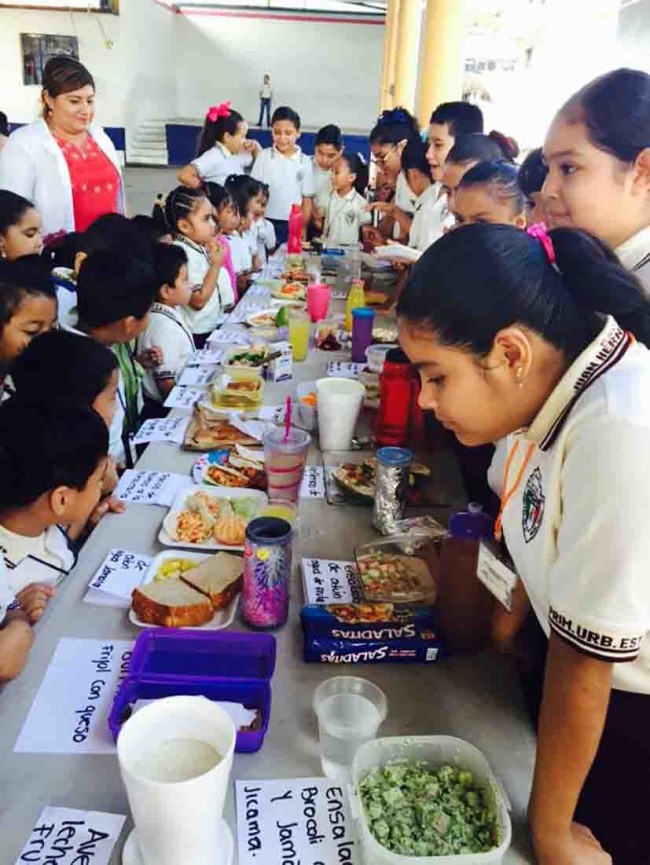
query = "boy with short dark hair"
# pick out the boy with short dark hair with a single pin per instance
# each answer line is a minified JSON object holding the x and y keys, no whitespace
{"x":287,"y":171}
{"x":116,"y":291}
{"x":449,"y":122}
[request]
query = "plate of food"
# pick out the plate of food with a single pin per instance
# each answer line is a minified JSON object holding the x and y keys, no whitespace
{"x":296,"y":274}
{"x":211,"y":518}
{"x":386,"y":574}
{"x":268,"y":283}
{"x":223,"y":468}
{"x":289,"y":291}
{"x":246,"y":363}
{"x":188,"y":590}
{"x":209,"y":430}
{"x":358,"y":481}
{"x":262,"y":318}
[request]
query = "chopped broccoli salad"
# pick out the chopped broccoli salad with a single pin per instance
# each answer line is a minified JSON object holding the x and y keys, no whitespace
{"x":416,"y":810}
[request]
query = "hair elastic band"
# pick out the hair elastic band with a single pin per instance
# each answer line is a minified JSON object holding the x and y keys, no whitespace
{"x":540,"y":232}
{"x":217,"y":111}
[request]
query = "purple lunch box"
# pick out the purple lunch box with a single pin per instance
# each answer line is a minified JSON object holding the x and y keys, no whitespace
{"x":220,"y":665}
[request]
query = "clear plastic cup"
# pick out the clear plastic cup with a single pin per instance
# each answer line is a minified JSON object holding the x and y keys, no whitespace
{"x":339,"y":404}
{"x":285,"y":462}
{"x":350,"y":710}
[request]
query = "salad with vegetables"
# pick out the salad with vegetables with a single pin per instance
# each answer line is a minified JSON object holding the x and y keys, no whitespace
{"x":416,"y":810}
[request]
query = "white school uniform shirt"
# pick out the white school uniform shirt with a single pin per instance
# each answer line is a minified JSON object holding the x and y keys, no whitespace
{"x":6,"y":595}
{"x":32,"y":165}
{"x":405,"y":199}
{"x":218,"y":163}
{"x":46,"y":558}
{"x":261,"y":237}
{"x":577,"y":526}
{"x":344,"y":217}
{"x":322,"y":185}
{"x":242,"y":259}
{"x":266,"y":91}
{"x":166,"y":328}
{"x":198,"y":263}
{"x":116,"y":429}
{"x":429,"y":217}
{"x":290,"y":179}
{"x":634,"y":255}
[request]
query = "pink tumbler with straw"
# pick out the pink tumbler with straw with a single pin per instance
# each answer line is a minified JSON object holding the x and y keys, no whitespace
{"x":284,"y":459}
{"x":318,"y":300}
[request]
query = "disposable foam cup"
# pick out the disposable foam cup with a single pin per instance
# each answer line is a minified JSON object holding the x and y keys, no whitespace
{"x":339,"y":403}
{"x":177,"y":821}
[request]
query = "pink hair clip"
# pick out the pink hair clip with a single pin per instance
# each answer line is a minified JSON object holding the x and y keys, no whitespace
{"x":217,"y":111}
{"x":540,"y":232}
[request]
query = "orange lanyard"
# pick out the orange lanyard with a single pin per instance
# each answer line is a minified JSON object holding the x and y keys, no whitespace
{"x":507,"y":494}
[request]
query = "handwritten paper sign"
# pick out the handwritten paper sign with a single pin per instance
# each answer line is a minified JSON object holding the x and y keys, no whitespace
{"x":208,"y":356}
{"x":119,"y":573}
{"x":184,"y":397}
{"x":304,"y":820}
{"x":150,"y":488}
{"x":66,"y":836}
{"x":327,"y":581}
{"x":313,"y":483}
{"x":230,"y":337}
{"x":344,"y":369}
{"x":339,"y":294}
{"x":69,"y":714}
{"x":273,"y":413}
{"x":166,"y":429}
{"x":200,"y":376}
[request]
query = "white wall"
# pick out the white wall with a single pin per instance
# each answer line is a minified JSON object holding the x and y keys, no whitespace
{"x":21,"y":103}
{"x":328,"y":72}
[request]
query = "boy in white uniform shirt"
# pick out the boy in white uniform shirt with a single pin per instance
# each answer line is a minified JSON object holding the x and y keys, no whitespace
{"x":347,"y":209}
{"x":53,"y":461}
{"x":287,"y":171}
{"x":166,"y":326}
{"x":515,"y":345}
{"x":327,"y":149}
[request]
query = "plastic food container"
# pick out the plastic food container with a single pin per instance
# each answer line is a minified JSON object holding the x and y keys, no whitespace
{"x":226,"y":666}
{"x":228,"y":392}
{"x":399,"y":578}
{"x":376,"y":355}
{"x":242,"y":371}
{"x":437,"y":751}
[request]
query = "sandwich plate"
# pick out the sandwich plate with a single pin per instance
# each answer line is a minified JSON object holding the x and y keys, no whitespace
{"x":262,"y":318}
{"x":222,"y":618}
{"x":168,"y":536}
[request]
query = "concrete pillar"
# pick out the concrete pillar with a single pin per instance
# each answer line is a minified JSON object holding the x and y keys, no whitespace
{"x":387,"y":95}
{"x":441,"y":65}
{"x":408,"y":51}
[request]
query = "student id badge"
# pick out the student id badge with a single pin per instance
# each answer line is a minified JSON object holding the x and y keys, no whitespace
{"x":496,"y":571}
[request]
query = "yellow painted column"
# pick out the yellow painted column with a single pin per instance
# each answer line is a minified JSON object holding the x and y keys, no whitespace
{"x":407,"y":52}
{"x":386,"y":98}
{"x":442,"y":61}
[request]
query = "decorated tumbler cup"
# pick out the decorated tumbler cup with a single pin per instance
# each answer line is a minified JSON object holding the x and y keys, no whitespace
{"x":267,"y":572}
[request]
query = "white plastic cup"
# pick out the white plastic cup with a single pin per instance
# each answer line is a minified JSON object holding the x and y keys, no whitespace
{"x":339,"y":404}
{"x":350,"y":710}
{"x":177,"y":821}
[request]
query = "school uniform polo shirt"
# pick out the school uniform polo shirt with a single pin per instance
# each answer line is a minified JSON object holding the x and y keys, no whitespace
{"x":242,"y":259}
{"x":46,"y":558}
{"x":167,"y":329}
{"x":344,"y":217}
{"x":218,"y":163}
{"x":290,"y":179}
{"x":428,"y":219}
{"x":634,"y":255}
{"x":578,"y":526}
{"x":322,"y":185}
{"x":198,"y":263}
{"x":6,"y":595}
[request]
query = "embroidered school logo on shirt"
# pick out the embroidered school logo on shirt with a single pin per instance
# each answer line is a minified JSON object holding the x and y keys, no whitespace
{"x":350,"y":216}
{"x":533,"y":506}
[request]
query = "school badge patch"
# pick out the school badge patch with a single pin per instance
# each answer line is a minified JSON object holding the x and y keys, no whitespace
{"x":533,"y":506}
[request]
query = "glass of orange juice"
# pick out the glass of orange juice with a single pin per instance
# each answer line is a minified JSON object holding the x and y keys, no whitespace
{"x":299,"y":333}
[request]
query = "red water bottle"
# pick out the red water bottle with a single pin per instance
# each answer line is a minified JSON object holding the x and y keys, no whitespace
{"x":395,"y":394}
{"x":294,"y":245}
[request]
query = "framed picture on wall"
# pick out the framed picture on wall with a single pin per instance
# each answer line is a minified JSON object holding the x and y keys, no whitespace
{"x":36,"y":50}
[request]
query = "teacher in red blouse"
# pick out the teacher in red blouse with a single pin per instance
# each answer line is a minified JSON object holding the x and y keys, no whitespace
{"x":64,"y":162}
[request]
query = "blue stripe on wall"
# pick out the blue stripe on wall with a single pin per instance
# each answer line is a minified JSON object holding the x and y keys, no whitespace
{"x":182,"y":141}
{"x":115,"y":133}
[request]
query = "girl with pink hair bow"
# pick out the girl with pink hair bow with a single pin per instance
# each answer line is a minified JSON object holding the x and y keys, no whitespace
{"x":223,"y":148}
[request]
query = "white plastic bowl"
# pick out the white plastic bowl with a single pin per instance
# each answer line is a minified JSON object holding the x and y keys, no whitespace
{"x":437,"y":751}
{"x":376,"y":356}
{"x":308,"y":413}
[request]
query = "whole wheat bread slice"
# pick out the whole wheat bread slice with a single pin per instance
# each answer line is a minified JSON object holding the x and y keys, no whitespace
{"x":219,"y":577}
{"x":172,"y":604}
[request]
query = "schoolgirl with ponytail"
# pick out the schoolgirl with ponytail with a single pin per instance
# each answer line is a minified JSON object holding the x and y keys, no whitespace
{"x":188,"y":215}
{"x":598,"y":155}
{"x":347,"y":209}
{"x":223,"y":148}
{"x":539,"y":342}
{"x":468,"y":151}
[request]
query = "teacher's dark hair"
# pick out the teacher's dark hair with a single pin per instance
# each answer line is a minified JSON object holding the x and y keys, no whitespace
{"x":476,"y":281}
{"x":63,"y":75}
{"x":615,"y":109}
